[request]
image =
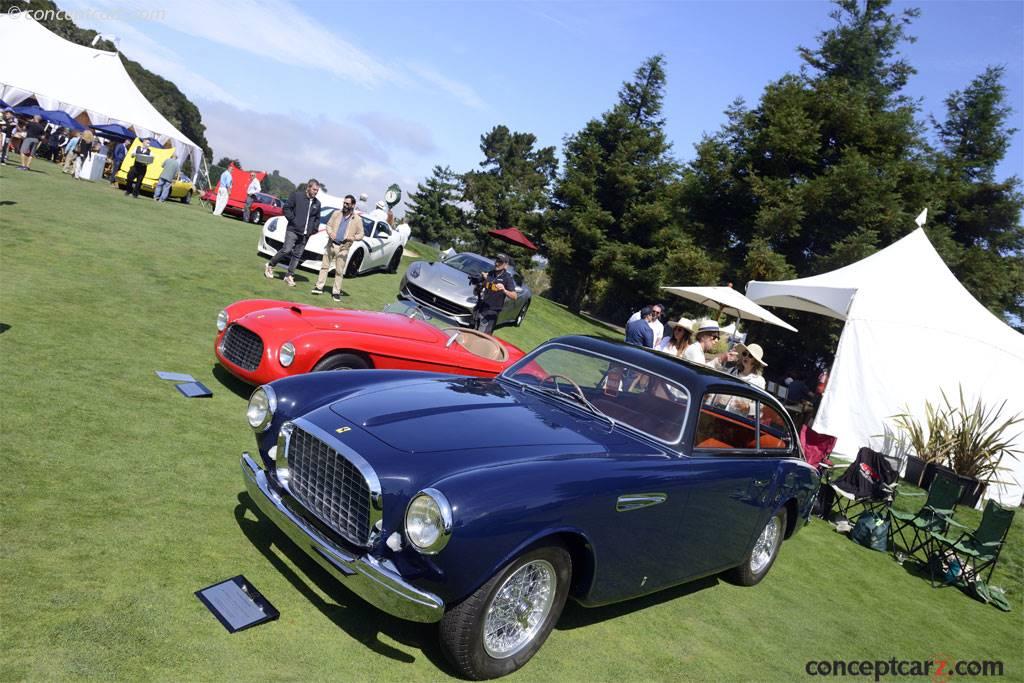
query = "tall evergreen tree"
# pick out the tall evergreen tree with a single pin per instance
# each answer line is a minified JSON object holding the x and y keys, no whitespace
{"x":981,"y":213}
{"x":830,"y":164}
{"x":514,"y":182}
{"x":433,"y":210}
{"x":610,"y":228}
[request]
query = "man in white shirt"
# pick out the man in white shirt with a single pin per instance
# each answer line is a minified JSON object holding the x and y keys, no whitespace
{"x":708,"y":334}
{"x":250,"y":195}
{"x":656,"y":325}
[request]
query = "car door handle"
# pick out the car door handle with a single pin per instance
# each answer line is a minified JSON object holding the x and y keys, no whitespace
{"x":762,"y":482}
{"x":635,"y":501}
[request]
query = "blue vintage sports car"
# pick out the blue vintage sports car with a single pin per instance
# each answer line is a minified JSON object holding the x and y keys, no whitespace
{"x":589,"y":469}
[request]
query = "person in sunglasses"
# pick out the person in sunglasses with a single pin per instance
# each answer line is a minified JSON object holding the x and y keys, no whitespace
{"x":706,"y":333}
{"x":750,"y":364}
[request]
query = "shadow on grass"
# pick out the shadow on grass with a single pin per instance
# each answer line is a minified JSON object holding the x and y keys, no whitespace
{"x":4,"y":327}
{"x":231,"y":383}
{"x":352,"y":614}
{"x":7,"y":203}
{"x":578,"y":616}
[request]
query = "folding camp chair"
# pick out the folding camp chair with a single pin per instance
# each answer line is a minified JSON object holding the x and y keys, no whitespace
{"x":975,"y":551}
{"x":869,"y":484}
{"x":934,"y":516}
{"x":817,"y":447}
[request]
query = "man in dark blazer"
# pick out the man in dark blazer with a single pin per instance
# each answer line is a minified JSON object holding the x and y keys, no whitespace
{"x":303,"y":213}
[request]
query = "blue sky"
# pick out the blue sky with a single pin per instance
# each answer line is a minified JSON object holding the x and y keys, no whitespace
{"x":362,"y":94}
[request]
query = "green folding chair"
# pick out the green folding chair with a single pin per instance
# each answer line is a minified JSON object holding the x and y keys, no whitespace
{"x":933,"y":516}
{"x":974,"y":551}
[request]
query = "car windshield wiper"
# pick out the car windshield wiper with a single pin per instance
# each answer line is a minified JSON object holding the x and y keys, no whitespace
{"x":578,"y":398}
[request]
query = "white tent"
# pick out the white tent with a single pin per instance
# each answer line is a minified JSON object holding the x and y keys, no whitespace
{"x":911,"y":330}
{"x":62,"y":75}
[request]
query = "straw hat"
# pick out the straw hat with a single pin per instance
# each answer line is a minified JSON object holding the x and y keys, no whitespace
{"x":705,"y":325}
{"x":685,"y":322}
{"x":755,"y":351}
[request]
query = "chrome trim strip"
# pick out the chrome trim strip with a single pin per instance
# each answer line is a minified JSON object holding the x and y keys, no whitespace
{"x":635,"y":501}
{"x":364,"y":575}
{"x":372,"y":481}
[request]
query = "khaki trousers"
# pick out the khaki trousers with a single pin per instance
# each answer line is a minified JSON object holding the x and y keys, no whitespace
{"x":338,"y":253}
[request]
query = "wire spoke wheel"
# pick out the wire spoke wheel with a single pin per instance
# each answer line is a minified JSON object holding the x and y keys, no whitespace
{"x":764,"y":549}
{"x":519,"y":609}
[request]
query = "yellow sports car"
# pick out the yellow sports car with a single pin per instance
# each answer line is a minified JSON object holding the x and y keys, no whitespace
{"x":181,"y":188}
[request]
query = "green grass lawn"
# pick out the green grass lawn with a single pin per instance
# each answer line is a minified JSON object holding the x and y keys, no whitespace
{"x":120,"y":498}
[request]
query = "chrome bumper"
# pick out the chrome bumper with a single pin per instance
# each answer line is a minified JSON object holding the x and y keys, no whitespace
{"x":365,"y":576}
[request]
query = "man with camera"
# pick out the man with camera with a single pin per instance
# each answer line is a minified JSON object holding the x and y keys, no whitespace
{"x":492,"y":290}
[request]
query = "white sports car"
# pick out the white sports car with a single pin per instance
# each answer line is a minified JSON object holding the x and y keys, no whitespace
{"x":380,"y":248}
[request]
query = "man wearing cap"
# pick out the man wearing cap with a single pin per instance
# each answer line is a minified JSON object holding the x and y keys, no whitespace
{"x":251,"y":191}
{"x":496,"y":286}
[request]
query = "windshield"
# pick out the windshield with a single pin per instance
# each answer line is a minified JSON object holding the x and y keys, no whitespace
{"x":470,"y":264}
{"x":624,"y":393}
{"x":411,"y":310}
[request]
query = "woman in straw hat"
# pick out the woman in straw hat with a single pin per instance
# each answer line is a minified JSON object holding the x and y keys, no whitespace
{"x":750,"y":364}
{"x":682,"y":334}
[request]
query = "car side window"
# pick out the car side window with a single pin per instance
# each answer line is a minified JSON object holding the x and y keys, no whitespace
{"x":518,"y":279}
{"x":774,"y":431}
{"x":725,"y":423}
{"x":382,"y":231}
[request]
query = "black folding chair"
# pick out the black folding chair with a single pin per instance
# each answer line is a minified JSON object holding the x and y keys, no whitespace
{"x":867,"y":484}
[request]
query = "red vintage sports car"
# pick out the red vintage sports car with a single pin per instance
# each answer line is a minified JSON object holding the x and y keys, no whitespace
{"x":260,"y":340}
{"x":265,"y":207}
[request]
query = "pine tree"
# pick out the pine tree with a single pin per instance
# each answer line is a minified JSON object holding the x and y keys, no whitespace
{"x":514,"y":182}
{"x":610,"y":227}
{"x":981,"y":213}
{"x":433,"y":210}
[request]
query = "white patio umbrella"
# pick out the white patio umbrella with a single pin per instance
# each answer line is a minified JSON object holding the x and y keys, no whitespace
{"x":727,"y":300}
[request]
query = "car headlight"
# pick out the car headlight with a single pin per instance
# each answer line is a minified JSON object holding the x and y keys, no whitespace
{"x":262,"y":405}
{"x":222,"y":321}
{"x":414,"y":269}
{"x":286,"y":354}
{"x":428,"y":521}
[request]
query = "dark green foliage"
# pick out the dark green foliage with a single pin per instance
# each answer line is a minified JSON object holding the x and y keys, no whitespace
{"x":434,"y":213}
{"x":276,"y":184}
{"x":982,"y":214}
{"x":512,"y":186}
{"x":163,"y":94}
{"x":612,"y":234}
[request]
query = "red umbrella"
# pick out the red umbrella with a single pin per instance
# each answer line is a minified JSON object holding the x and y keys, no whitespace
{"x":514,"y":236}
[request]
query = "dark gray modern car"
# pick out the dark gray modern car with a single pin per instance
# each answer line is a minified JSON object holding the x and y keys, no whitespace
{"x":445,"y":286}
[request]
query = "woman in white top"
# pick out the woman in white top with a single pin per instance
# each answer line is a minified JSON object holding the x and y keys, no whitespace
{"x":676,"y":343}
{"x":750,"y":364}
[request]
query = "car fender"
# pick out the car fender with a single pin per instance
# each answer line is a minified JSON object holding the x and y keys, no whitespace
{"x":495,"y":524}
{"x":246,"y":306}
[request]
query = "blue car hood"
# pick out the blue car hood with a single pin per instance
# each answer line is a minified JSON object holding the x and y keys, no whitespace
{"x":448,"y":414}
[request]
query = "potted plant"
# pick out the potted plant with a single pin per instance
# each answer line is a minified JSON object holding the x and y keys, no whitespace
{"x":978,"y":440}
{"x":929,"y":441}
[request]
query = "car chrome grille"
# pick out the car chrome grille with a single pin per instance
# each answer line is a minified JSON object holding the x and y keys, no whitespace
{"x":243,"y":347}
{"x":437,"y":302}
{"x":329,"y":485}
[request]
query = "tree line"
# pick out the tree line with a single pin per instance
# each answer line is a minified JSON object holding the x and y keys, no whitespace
{"x":831,"y":164}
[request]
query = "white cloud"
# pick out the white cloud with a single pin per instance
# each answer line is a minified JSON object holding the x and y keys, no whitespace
{"x":395,"y":131}
{"x":343,"y":156}
{"x":460,"y":91}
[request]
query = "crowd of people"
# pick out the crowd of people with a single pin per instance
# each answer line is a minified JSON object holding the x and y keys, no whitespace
{"x":695,"y":340}
{"x":30,"y":137}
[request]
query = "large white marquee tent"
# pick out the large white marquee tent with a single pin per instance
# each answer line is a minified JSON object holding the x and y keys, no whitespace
{"x":911,"y":330}
{"x":72,"y":78}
